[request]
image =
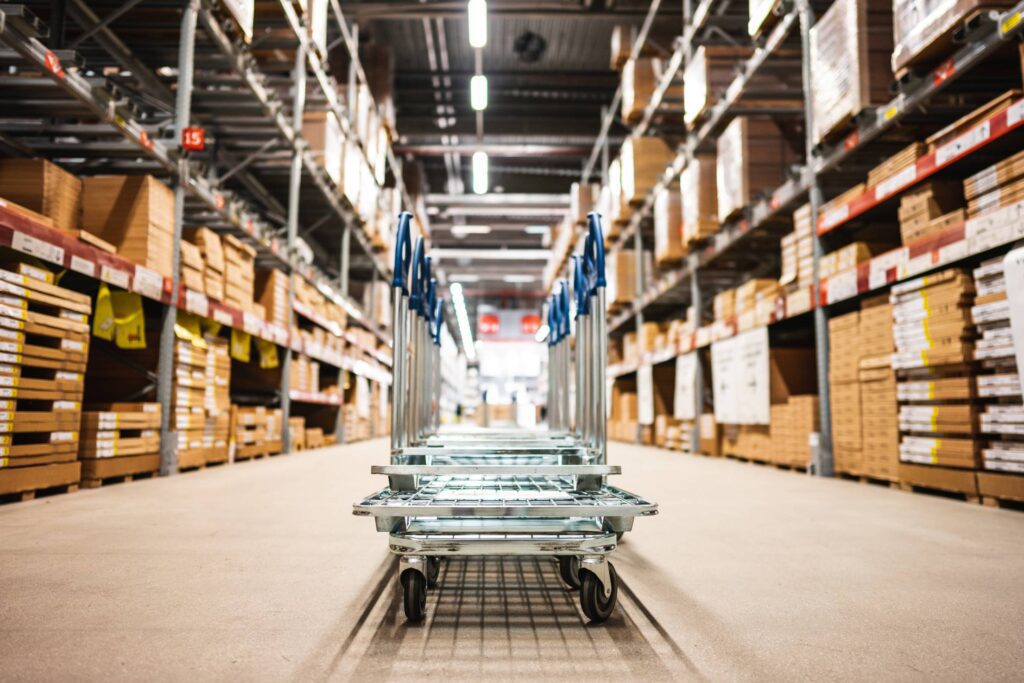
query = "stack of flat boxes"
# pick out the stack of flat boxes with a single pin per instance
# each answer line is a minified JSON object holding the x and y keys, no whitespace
{"x":844,"y":367}
{"x":999,"y":387}
{"x":297,"y":433}
{"x":44,"y":337}
{"x":239,"y":273}
{"x":192,"y":267}
{"x":934,"y":343}
{"x":305,"y":374}
{"x":44,"y":188}
{"x":753,"y":157}
{"x":698,"y":185}
{"x":798,"y":263}
{"x":119,"y":440}
{"x":792,"y":424}
{"x":315,"y":437}
{"x":188,"y":400}
{"x":249,"y":432}
{"x":995,"y":186}
{"x":135,"y":214}
{"x":272,"y":294}
{"x":880,"y":426}
{"x":274,"y":424}
{"x":929,"y":208}
{"x":217,"y":401}
{"x":212,"y":251}
{"x":756,"y":300}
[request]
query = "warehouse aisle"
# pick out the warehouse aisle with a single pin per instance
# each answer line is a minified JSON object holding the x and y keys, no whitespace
{"x":258,"y":571}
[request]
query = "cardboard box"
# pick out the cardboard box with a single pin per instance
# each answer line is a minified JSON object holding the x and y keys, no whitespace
{"x":923,"y":29}
{"x":850,"y":49}
{"x":135,"y":214}
{"x":322,"y":130}
{"x":642,"y":162}
{"x":752,"y":157}
{"x":44,"y":188}
{"x":272,"y":292}
{"x":698,"y":185}
{"x":709,"y":72}
{"x":621,"y":277}
{"x":668,"y":228}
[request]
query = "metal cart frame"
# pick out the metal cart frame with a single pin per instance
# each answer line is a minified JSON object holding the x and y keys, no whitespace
{"x":501,"y":493}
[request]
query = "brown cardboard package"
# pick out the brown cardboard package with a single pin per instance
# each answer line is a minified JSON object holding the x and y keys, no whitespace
{"x":44,"y":188}
{"x":668,"y":228}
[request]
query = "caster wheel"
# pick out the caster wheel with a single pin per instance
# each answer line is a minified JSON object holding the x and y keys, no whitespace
{"x":433,"y":571}
{"x":595,"y":605}
{"x":568,"y":569}
{"x":414,"y":586}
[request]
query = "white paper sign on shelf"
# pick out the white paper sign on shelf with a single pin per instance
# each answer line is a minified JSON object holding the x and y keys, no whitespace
{"x":362,"y":396}
{"x":963,"y":144}
{"x":27,"y":244}
{"x":196,"y":302}
{"x":645,"y":394}
{"x":740,"y":372}
{"x":80,"y":265}
{"x":1013,"y":271}
{"x":223,"y":317}
{"x":114,"y":276}
{"x":148,"y":283}
{"x":684,"y":404}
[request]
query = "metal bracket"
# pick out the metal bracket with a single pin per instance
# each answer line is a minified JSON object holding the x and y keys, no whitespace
{"x":597,"y":565}
{"x":415,"y":562}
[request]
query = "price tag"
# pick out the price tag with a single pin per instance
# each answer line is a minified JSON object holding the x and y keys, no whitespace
{"x":223,"y":317}
{"x":895,"y":182}
{"x":80,"y":265}
{"x":835,"y":216}
{"x":27,"y":244}
{"x":148,"y":283}
{"x":1015,"y":113}
{"x":251,"y":323}
{"x":963,"y":144}
{"x":842,"y":285}
{"x":197,"y":303}
{"x":118,"y":278}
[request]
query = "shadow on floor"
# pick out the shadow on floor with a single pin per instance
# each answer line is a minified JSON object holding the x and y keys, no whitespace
{"x":506,"y":618}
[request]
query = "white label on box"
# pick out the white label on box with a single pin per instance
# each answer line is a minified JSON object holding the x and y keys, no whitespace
{"x":740,"y":378}
{"x":994,"y":228}
{"x":223,"y":317}
{"x":645,"y":394}
{"x":77,"y":317}
{"x":963,"y":144}
{"x":842,"y":286}
{"x":1013,"y":270}
{"x":27,"y":244}
{"x":80,"y":265}
{"x":63,"y":436}
{"x":251,"y":323}
{"x":835,"y":216}
{"x":197,"y":303}
{"x":12,"y":313}
{"x":71,"y":345}
{"x":118,"y":278}
{"x":10,"y":358}
{"x":148,"y":283}
{"x":986,"y":180}
{"x":684,"y":405}
{"x":895,"y":182}
{"x":880,"y":266}
{"x":65,"y":405}
{"x":10,"y":347}
{"x":11,"y":288}
{"x":72,"y":376}
{"x":953,"y":252}
{"x":1015,"y":113}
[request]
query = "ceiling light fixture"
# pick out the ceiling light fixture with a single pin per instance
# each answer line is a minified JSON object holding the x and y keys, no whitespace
{"x":480,"y":179}
{"x":459,"y":303}
{"x":463,"y":230}
{"x":542,"y":333}
{"x":519,"y":279}
{"x":478,"y":93}
{"x":477,"y":12}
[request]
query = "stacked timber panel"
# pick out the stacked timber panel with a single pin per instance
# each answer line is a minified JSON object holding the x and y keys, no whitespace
{"x":212,"y":251}
{"x":45,"y":189}
{"x":999,"y":388}
{"x":698,"y":184}
{"x":44,"y":337}
{"x":255,"y":432}
{"x":934,"y":344}
{"x":844,"y":368}
{"x":850,"y":48}
{"x":200,"y":399}
{"x":879,"y":423}
{"x":239,"y":273}
{"x":119,"y":440}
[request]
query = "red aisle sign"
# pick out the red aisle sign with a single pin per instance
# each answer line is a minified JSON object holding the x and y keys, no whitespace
{"x":193,"y":139}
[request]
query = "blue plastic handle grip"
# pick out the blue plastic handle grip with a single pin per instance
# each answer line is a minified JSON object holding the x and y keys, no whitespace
{"x":426,"y":304}
{"x":402,"y":253}
{"x":416,"y":278}
{"x":438,"y":320}
{"x":594,"y":249}
{"x":552,"y":321}
{"x":563,"y":319}
{"x":431,"y":301}
{"x":579,"y":285}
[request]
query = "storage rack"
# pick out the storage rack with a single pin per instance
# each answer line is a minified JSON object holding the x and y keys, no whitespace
{"x":706,"y":266}
{"x":144,"y":112}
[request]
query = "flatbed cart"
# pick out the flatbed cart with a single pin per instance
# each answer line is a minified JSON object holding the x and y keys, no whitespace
{"x":503,"y":494}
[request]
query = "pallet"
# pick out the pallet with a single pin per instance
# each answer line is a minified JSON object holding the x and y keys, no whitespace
{"x":100,"y":471}
{"x":26,"y":483}
{"x":767,"y":463}
{"x":870,"y":480}
{"x":1003,"y":503}
{"x":942,"y":493}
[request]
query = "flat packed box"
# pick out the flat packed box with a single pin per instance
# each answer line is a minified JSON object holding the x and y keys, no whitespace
{"x":752,"y":157}
{"x":698,"y":185}
{"x":44,"y":188}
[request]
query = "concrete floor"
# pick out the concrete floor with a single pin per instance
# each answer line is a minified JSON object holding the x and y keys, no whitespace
{"x":258,"y":571}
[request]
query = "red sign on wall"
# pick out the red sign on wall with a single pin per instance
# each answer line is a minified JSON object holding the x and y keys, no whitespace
{"x":488,"y":324}
{"x":529,"y":324}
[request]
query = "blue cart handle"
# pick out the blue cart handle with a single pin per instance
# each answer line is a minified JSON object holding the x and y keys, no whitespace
{"x":431,"y":299}
{"x":593,"y":250}
{"x":552,"y":321}
{"x":402,"y":253}
{"x":438,"y":320}
{"x":416,"y":278}
{"x":579,"y":285}
{"x":563,"y":318}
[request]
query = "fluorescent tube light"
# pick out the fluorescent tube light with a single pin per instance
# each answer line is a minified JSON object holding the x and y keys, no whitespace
{"x":463,"y":230}
{"x":542,"y":333}
{"x":478,"y":92}
{"x":459,"y":303}
{"x":480,"y":180}
{"x":521,"y":279}
{"x":477,"y":15}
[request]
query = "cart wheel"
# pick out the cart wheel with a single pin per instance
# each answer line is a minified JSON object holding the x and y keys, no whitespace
{"x":568,"y":569}
{"x":433,"y":571}
{"x":595,"y":605}
{"x":415,"y":589}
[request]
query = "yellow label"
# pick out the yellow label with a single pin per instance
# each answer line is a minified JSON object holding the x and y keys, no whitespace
{"x":891,"y":112}
{"x":103,"y":315}
{"x":1010,"y":22}
{"x":241,"y":343}
{"x":931,"y":390}
{"x":130,"y":319}
{"x":3,"y":462}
